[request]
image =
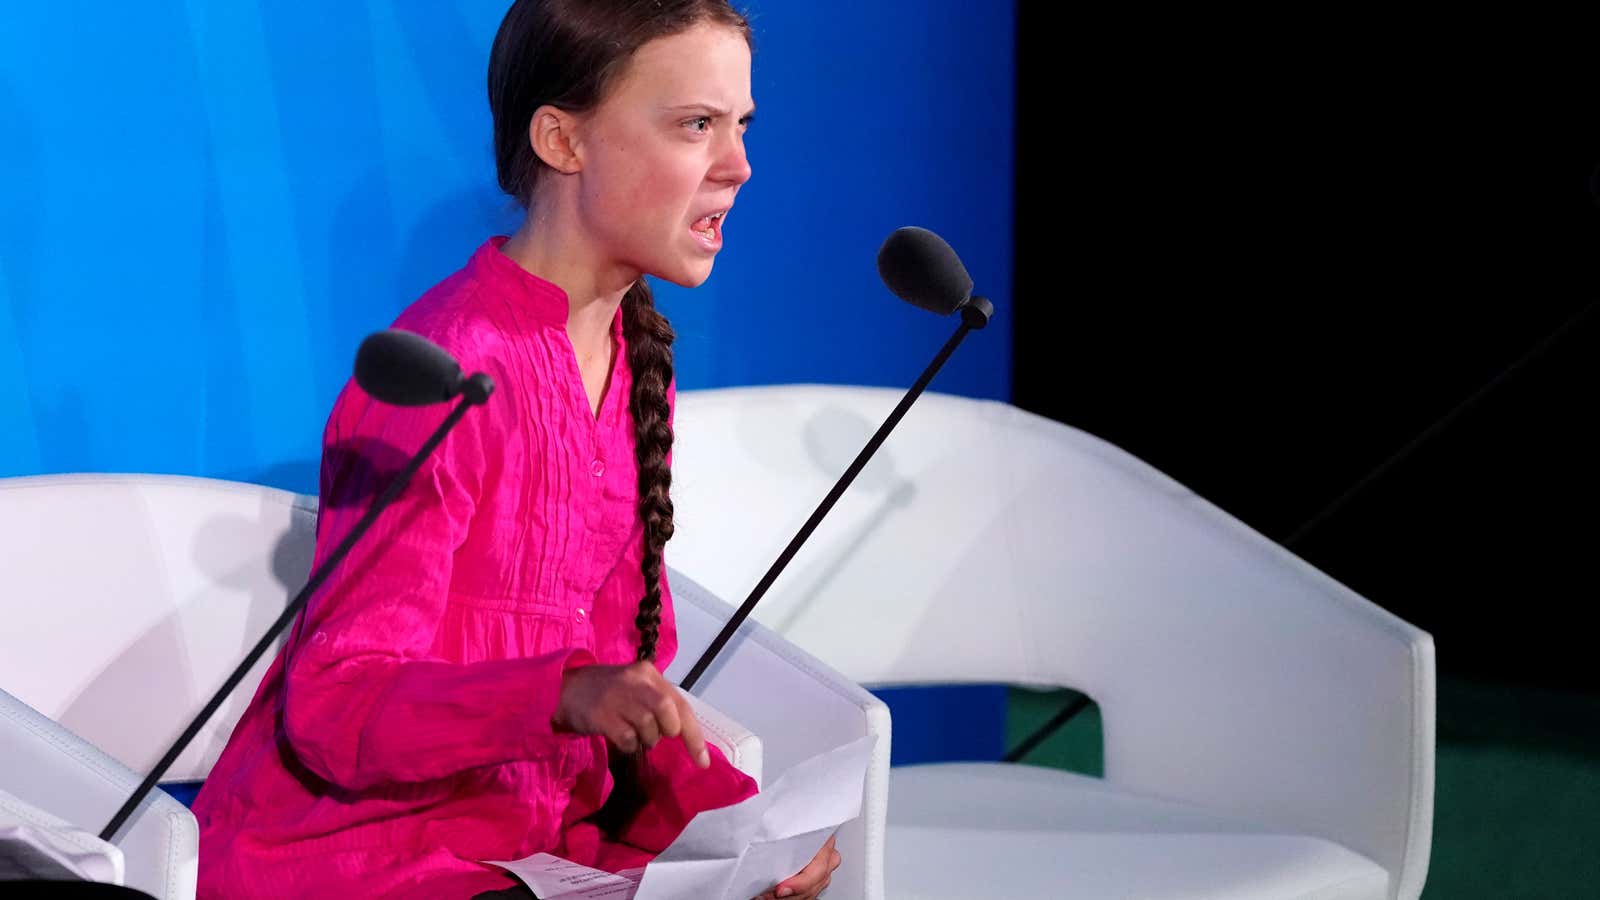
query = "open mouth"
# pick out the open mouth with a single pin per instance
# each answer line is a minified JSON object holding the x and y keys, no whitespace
{"x":709,"y":228}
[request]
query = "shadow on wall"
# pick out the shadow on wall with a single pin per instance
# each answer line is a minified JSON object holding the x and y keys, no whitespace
{"x":364,"y":299}
{"x":833,"y":438}
{"x":155,"y":677}
{"x":445,"y":236}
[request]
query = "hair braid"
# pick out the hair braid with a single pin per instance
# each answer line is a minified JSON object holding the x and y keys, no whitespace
{"x":649,"y":339}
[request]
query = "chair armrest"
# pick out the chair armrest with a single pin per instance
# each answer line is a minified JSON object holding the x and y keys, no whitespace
{"x":739,"y":744}
{"x":53,"y":770}
{"x":799,"y":707}
{"x":35,"y":844}
{"x":1291,"y":699}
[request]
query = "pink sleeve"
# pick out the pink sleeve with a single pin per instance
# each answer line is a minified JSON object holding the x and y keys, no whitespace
{"x":364,"y":703}
{"x":676,"y":790}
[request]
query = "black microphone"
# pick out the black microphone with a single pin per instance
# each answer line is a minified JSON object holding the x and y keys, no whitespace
{"x":920,"y":268}
{"x":405,"y":369}
{"x":394,"y":367}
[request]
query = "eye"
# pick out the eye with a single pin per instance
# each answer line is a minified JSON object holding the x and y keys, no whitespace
{"x":698,"y":124}
{"x":745,"y":122}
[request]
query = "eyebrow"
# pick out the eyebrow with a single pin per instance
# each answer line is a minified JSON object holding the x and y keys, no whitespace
{"x":710,"y":110}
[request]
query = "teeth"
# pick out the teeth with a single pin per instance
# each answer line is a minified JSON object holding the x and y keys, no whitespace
{"x":710,"y":231}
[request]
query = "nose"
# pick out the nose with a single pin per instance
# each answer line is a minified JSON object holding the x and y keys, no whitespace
{"x":732,"y":166}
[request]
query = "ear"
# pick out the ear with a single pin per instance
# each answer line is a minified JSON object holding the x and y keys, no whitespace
{"x":553,"y":134}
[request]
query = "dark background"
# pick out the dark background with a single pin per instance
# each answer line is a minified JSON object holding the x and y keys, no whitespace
{"x":1266,"y":255}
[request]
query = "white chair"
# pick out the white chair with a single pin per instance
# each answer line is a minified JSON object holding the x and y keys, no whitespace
{"x":799,"y":707}
{"x":130,"y":598}
{"x":53,"y":779}
{"x":1268,"y":733}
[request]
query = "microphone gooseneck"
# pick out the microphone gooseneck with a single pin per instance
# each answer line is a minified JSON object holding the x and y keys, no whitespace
{"x":920,"y":268}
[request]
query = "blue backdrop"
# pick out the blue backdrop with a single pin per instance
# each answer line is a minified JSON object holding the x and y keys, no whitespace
{"x":207,"y":204}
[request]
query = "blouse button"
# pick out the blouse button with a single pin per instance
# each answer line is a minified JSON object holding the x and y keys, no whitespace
{"x":582,"y":615}
{"x":597,"y":468}
{"x":319,"y":638}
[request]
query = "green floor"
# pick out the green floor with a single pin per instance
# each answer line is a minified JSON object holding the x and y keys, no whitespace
{"x":1517,"y":792}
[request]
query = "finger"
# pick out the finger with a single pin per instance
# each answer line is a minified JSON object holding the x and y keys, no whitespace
{"x":815,"y":873}
{"x":693,"y":739}
{"x":625,"y":739}
{"x":667,"y":713}
{"x":820,"y":869}
{"x":807,"y":878}
{"x":644,"y":722}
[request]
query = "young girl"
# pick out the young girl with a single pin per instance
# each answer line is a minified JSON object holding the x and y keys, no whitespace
{"x":481,"y":677}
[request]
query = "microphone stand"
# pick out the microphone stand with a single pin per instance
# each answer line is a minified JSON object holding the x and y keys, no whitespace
{"x":475,"y":391}
{"x":974,"y":315}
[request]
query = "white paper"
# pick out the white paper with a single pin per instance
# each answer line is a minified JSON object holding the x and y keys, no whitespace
{"x":554,"y":878}
{"x":57,"y":853}
{"x":739,"y":851}
{"x":733,"y":853}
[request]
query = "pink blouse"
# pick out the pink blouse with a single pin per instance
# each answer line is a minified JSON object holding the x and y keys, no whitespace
{"x":404,"y":732}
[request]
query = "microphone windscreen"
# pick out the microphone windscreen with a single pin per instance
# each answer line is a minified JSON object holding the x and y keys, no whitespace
{"x":406,"y":369}
{"x":921,"y":269}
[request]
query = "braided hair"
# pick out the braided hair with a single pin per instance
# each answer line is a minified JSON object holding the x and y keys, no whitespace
{"x":649,"y":339}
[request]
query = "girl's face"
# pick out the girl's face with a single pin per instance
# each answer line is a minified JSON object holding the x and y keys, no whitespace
{"x":663,"y":154}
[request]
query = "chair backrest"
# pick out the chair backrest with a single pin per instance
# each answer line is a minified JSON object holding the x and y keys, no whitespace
{"x":968,"y":551}
{"x":987,"y":544}
{"x":130,"y":598}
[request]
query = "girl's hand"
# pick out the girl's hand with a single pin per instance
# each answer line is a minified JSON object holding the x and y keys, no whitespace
{"x":630,"y":705}
{"x":810,"y":881}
